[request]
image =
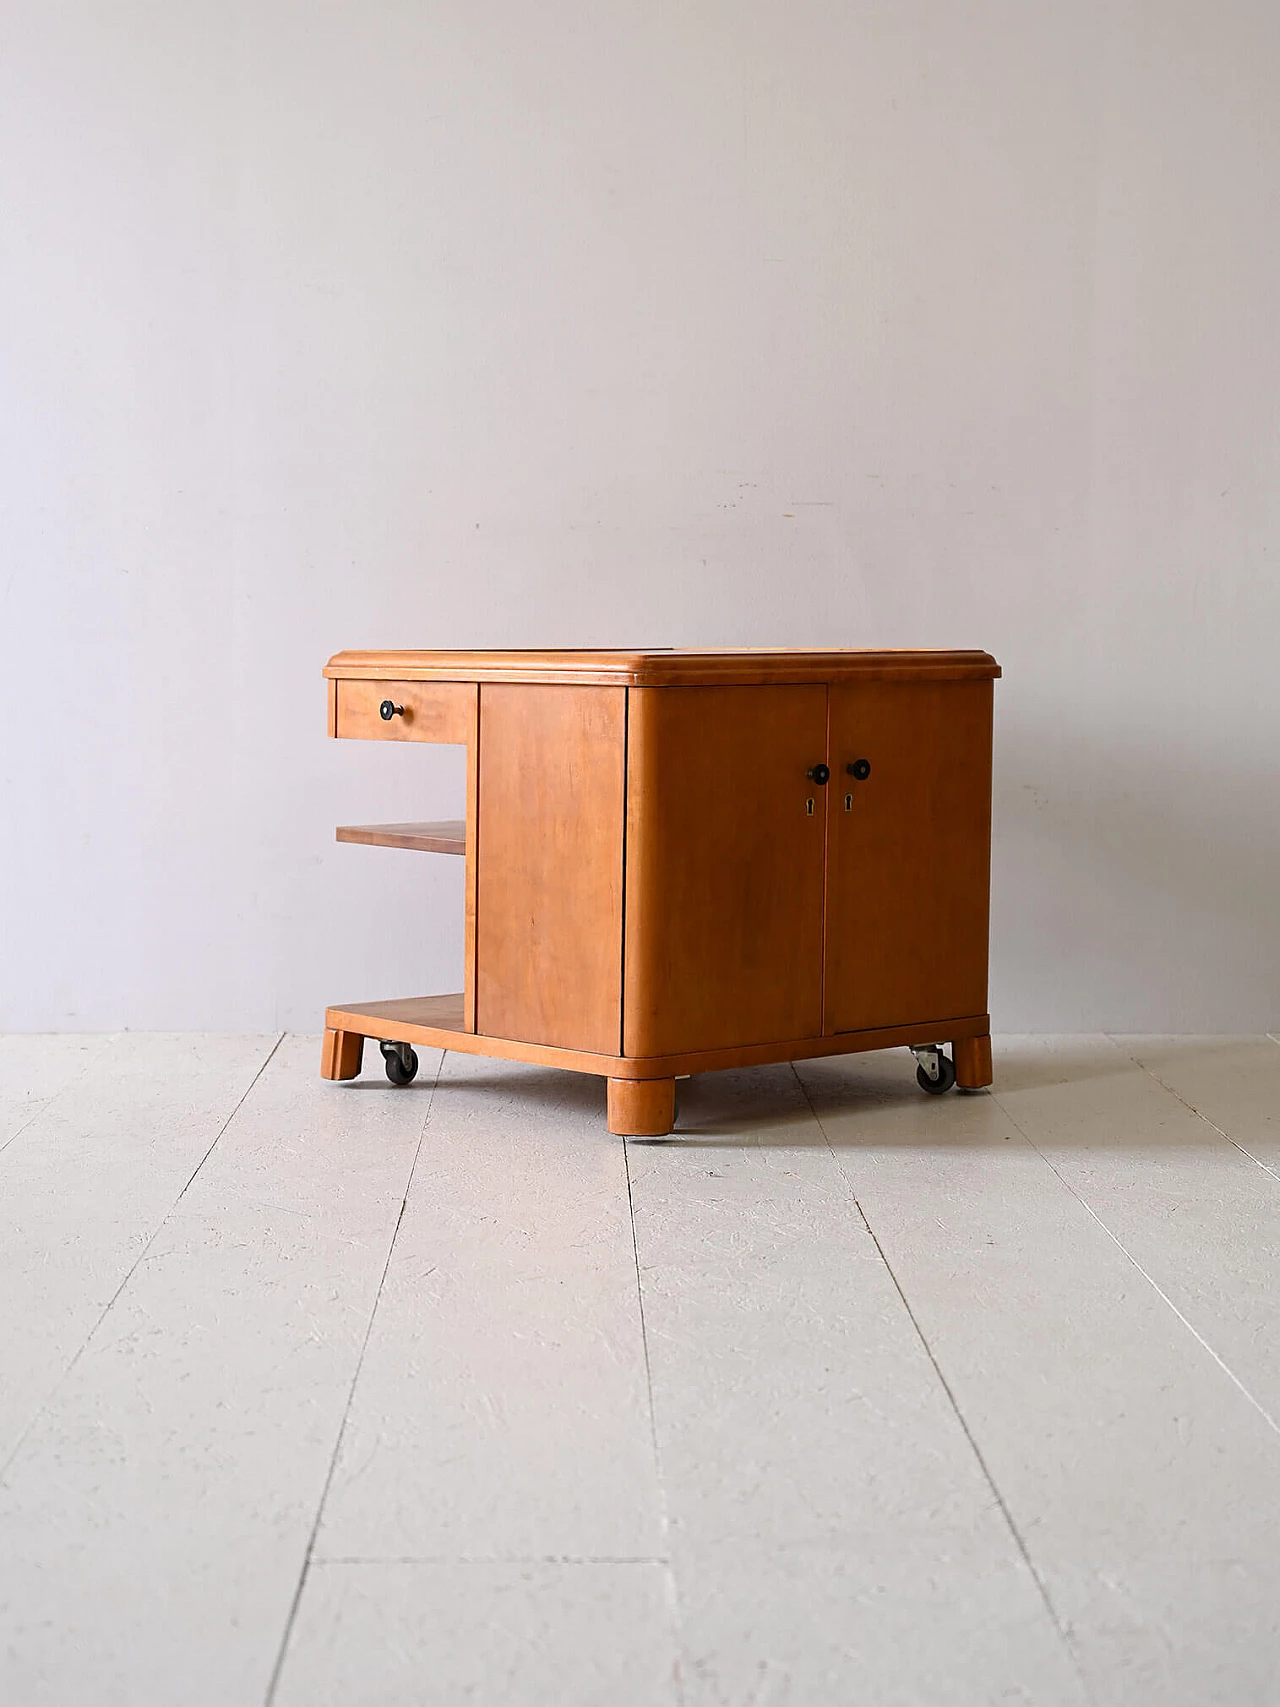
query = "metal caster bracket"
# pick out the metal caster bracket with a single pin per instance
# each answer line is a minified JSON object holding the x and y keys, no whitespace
{"x":935,"y":1072}
{"x":928,"y":1059}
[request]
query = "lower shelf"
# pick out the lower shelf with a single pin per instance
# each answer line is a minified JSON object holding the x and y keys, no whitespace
{"x":441,"y":1014}
{"x":436,"y":1022}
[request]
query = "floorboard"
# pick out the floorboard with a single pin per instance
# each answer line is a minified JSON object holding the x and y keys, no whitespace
{"x":87,"y":1182}
{"x":826,"y":1505}
{"x":1232,"y":1082}
{"x":532,"y":1634}
{"x":500,"y":1443}
{"x":158,"y":1515}
{"x":36,"y":1068}
{"x":502,"y":1410}
{"x":324,"y":1393}
{"x":1191,"y":1206}
{"x":1144,"y":1484}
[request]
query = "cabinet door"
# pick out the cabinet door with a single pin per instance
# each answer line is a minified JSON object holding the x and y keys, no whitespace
{"x":908,"y":875}
{"x":724,"y":865}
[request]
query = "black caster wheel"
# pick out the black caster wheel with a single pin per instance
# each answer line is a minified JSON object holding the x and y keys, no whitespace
{"x":402,"y":1062}
{"x":944,"y":1081}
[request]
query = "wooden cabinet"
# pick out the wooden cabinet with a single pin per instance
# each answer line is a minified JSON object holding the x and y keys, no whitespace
{"x":679,"y":861}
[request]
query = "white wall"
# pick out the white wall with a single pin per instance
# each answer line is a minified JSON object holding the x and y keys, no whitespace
{"x":460,"y":322}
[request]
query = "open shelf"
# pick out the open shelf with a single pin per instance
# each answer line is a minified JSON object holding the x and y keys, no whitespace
{"x":414,"y":1013}
{"x":449,"y":837}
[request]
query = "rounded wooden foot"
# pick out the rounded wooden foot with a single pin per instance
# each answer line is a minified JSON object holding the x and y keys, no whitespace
{"x":972,"y":1057}
{"x":341,"y":1055}
{"x":641,"y":1108}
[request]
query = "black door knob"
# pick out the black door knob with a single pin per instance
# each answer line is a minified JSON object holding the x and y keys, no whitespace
{"x":389,"y":709}
{"x":819,"y":774}
{"x":861,"y":768}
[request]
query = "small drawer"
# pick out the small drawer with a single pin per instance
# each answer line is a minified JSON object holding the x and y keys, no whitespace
{"x":414,"y":711}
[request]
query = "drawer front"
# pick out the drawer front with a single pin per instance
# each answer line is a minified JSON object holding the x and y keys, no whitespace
{"x":424,"y":711}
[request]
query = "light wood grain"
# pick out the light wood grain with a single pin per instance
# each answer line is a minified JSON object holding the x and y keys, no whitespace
{"x":432,"y":711}
{"x":909,"y":871}
{"x":641,"y":1108}
{"x":421,"y":1013}
{"x":472,"y":870}
{"x":448,"y":836}
{"x":341,"y":1054}
{"x":549,"y":877}
{"x":972,"y":1057}
{"x":724,"y":867}
{"x":667,"y":667}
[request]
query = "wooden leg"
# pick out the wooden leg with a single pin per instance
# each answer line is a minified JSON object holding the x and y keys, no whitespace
{"x":972,"y":1056}
{"x":641,"y":1108}
{"x":341,"y":1055}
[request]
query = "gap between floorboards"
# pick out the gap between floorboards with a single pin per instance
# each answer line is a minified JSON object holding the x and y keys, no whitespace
{"x":159,"y":1228}
{"x":1128,"y":1255}
{"x":952,"y":1400}
{"x":282,"y":1653}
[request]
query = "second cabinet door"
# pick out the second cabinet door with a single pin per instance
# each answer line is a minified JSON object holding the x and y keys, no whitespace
{"x":724,"y":867}
{"x":908,"y":874}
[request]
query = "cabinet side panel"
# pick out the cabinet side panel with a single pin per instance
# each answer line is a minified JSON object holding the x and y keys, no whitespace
{"x":548,"y":913}
{"x":724,"y":867}
{"x":909,"y":873}
{"x":472,"y":846}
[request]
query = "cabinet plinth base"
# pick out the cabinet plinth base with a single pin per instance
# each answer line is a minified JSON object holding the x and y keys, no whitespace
{"x":641,"y":1108}
{"x":972,"y":1057}
{"x":639,"y":1105}
{"x":437,"y":1022}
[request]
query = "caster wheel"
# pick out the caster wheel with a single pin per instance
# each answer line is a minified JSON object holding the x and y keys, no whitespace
{"x":944,"y":1081}
{"x":402,"y":1062}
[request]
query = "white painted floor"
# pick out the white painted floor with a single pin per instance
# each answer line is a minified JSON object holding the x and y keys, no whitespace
{"x":324,"y":1394}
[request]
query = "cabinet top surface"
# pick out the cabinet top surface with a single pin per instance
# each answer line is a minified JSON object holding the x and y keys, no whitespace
{"x":665,"y":667}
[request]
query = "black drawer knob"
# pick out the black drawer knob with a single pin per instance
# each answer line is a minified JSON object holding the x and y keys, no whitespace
{"x":389,"y":709}
{"x":861,"y":768}
{"x":819,"y":774}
